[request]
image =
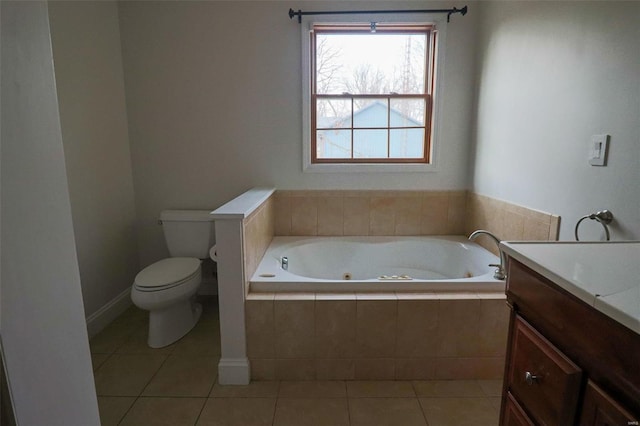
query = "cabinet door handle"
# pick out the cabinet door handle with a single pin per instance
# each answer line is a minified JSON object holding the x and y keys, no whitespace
{"x":530,"y":378}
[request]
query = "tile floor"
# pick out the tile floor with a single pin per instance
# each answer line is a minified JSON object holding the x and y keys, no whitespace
{"x":176,"y":385}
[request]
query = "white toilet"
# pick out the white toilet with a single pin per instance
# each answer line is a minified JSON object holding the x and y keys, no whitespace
{"x":167,"y":288}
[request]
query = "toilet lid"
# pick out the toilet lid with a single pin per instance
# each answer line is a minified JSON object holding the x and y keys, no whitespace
{"x":167,"y":271}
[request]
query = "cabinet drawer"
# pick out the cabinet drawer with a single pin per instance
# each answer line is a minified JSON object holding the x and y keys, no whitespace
{"x":541,"y":378}
{"x":514,"y":415}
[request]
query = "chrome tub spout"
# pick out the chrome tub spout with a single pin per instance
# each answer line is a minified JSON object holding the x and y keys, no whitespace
{"x":500,"y":273}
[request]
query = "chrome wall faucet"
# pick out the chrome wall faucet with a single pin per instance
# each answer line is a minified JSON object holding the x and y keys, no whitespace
{"x":500,"y":273}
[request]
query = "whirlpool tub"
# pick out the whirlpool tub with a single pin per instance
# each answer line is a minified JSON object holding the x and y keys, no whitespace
{"x":376,"y":264}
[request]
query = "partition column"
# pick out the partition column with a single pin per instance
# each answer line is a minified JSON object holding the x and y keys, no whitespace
{"x":233,"y":368}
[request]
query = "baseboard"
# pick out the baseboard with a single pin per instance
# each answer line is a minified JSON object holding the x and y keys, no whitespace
{"x":234,"y":371}
{"x":97,"y":321}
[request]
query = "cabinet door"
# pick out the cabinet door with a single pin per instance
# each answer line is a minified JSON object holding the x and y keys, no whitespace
{"x":599,"y":409}
{"x":514,"y":415}
{"x":541,"y":378}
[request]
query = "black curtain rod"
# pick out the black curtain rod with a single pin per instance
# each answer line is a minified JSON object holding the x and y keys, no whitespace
{"x":449,"y":12}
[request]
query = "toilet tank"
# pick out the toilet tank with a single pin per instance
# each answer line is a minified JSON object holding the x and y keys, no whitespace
{"x":188,"y":233}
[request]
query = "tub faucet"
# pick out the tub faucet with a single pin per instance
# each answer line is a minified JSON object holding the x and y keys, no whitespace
{"x":500,"y":273}
{"x":284,"y":263}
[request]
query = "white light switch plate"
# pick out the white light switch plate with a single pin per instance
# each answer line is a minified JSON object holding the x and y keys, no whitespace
{"x":598,"y":148}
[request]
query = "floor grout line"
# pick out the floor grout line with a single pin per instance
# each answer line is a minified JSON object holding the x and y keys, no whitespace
{"x":200,"y":412}
{"x":128,"y":410}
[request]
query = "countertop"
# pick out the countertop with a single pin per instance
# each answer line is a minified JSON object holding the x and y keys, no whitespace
{"x":605,"y":275}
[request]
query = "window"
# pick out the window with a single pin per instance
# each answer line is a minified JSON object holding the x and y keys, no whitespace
{"x":371,"y":93}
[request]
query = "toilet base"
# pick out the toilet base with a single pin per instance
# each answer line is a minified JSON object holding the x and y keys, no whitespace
{"x":168,"y":325}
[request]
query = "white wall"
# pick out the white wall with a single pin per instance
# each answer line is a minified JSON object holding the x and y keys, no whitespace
{"x":89,"y":77}
{"x":551,"y":74}
{"x":213,"y":95}
{"x":43,"y":330}
{"x":215,"y":105}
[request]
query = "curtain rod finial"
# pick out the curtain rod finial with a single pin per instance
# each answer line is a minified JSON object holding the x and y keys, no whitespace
{"x":462,"y":11}
{"x":292,"y":13}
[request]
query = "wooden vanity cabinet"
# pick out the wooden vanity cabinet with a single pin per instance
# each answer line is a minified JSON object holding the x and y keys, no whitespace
{"x":514,"y":415}
{"x":599,"y":409}
{"x":567,"y":363}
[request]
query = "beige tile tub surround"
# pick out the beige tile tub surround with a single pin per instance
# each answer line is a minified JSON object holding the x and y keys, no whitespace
{"x":376,"y":337}
{"x":508,"y":221}
{"x":340,"y":212}
{"x":381,"y":337}
{"x":258,"y":230}
{"x":361,"y":213}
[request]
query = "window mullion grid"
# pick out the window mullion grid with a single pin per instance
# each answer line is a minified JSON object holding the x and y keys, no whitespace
{"x":388,"y":128}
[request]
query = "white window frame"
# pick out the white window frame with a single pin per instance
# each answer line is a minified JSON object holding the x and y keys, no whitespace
{"x":440,"y":27}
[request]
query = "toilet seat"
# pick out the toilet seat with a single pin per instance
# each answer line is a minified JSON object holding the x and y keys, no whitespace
{"x":167,"y":273}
